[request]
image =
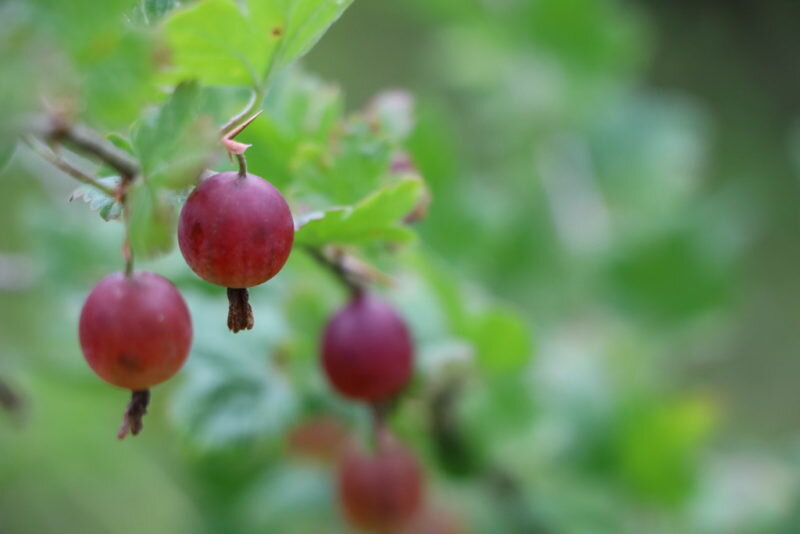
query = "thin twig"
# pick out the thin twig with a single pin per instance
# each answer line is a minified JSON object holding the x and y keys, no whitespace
{"x":67,"y":168}
{"x":353,"y":281}
{"x":86,"y":140}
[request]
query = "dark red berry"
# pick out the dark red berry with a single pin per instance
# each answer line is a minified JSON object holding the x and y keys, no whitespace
{"x":135,"y":331}
{"x":366,"y":350}
{"x":380,"y":490}
{"x":236,"y":232}
{"x":321,"y":438}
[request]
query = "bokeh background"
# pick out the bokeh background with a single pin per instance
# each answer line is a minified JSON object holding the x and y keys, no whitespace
{"x":615,"y":187}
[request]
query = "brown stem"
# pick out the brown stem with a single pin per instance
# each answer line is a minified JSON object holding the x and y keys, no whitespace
{"x":9,"y":400}
{"x":242,"y":165}
{"x":240,"y":314}
{"x":137,"y":408}
{"x":88,"y":141}
{"x":351,"y":280}
{"x":67,"y":168}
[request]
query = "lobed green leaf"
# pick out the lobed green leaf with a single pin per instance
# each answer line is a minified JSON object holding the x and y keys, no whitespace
{"x":376,"y":218}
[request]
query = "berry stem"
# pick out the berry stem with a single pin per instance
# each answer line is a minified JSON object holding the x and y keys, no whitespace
{"x":137,"y":408}
{"x":242,"y":165}
{"x":240,"y":314}
{"x":350,"y":279}
{"x":127,"y":250}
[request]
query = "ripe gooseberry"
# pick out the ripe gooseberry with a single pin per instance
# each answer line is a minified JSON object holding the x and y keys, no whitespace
{"x":320,"y":438}
{"x":135,"y":332}
{"x":367,"y":351}
{"x":236,"y":231}
{"x":382,"y":489}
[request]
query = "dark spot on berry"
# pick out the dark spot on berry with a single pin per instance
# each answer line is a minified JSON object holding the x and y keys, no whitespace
{"x":129,"y":362}
{"x":260,"y":235}
{"x":277,"y":31}
{"x":197,"y":236}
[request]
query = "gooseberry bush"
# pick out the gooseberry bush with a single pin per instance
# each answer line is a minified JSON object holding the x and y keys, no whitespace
{"x":363,"y":380}
{"x":191,"y":123}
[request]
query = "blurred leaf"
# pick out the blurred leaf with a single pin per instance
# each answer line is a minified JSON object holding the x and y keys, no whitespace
{"x":502,"y":341}
{"x":293,"y":134}
{"x":86,"y":27}
{"x":307,"y":22}
{"x":214,"y":42}
{"x":106,"y":206}
{"x":119,"y":78}
{"x":376,"y":218}
{"x":173,"y":144}
{"x":351,"y":164}
{"x":218,"y":408}
{"x":121,"y":141}
{"x":6,"y":151}
{"x":282,"y":500}
{"x":596,"y":37}
{"x":659,"y":446}
{"x":156,"y":9}
{"x":152,"y":221}
{"x":670,"y":277}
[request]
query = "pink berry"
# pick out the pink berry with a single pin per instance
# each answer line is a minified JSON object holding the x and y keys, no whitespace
{"x":380,"y":490}
{"x":234,"y":231}
{"x":367,"y":351}
{"x":135,"y":331}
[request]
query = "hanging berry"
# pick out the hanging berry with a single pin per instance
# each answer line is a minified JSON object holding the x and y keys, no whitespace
{"x":236,"y":231}
{"x":382,"y":489}
{"x":135,"y":332}
{"x":367,"y":351}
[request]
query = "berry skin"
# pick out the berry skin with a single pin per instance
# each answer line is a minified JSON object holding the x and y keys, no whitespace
{"x":234,"y":231}
{"x":135,"y":331}
{"x":367,"y":352}
{"x":381,"y":490}
{"x":321,"y":438}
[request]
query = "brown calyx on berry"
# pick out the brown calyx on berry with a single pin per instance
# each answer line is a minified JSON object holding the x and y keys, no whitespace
{"x":240,"y":314}
{"x":137,"y":408}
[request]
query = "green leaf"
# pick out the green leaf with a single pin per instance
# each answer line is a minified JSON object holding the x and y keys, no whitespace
{"x":118,"y":78}
{"x":98,"y":201}
{"x":231,"y":391}
{"x":308,"y":21}
{"x":174,"y":144}
{"x":670,"y":277}
{"x":214,"y":42}
{"x":300,"y":114}
{"x":502,"y":341}
{"x":349,"y":165}
{"x":659,"y":445}
{"x":154,"y":10}
{"x":152,"y":221}
{"x":376,"y":218}
{"x":217,"y":43}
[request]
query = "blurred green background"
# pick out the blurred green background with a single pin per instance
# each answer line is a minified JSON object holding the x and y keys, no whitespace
{"x":603,"y":290}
